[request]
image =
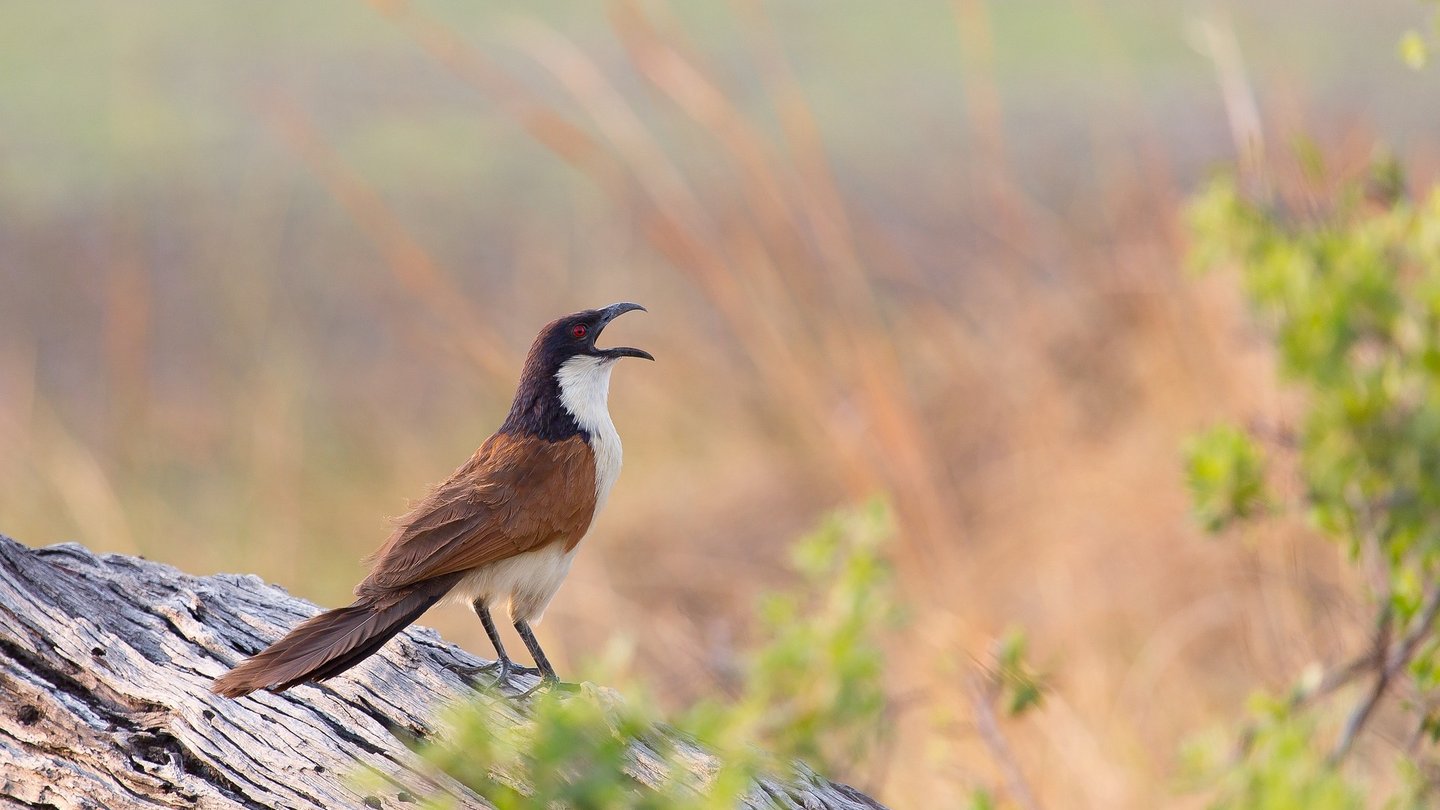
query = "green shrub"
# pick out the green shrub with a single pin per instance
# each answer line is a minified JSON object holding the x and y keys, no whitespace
{"x":1352,"y":295}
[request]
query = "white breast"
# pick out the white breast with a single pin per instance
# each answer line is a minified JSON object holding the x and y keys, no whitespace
{"x":584,"y":392}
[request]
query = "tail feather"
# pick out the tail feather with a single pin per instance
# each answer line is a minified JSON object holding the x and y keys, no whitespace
{"x":328,"y":644}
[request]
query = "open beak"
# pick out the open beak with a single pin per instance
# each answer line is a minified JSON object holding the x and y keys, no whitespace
{"x":609,"y":314}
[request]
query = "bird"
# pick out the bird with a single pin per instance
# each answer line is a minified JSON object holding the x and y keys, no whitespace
{"x":502,"y":530}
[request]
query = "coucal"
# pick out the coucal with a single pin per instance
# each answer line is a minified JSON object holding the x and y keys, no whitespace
{"x":503,"y":528}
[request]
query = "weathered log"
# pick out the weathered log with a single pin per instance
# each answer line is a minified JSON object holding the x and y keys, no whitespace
{"x":105,"y":668}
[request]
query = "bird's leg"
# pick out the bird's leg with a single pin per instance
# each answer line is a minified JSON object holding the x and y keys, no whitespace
{"x":507,"y":666}
{"x":502,"y":662}
{"x":548,"y":678}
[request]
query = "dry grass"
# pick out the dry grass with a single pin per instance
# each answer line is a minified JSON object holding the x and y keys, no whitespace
{"x":1024,"y":406}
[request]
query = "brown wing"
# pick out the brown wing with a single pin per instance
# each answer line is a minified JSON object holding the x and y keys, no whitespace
{"x":514,"y":495}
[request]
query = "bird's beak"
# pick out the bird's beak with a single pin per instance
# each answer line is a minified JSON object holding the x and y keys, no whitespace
{"x":609,"y":314}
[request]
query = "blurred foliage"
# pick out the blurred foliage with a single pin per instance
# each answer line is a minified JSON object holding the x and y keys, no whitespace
{"x":1414,"y":50}
{"x":1021,"y":687}
{"x":575,"y":751}
{"x":1416,"y":46}
{"x":1351,"y":291}
{"x":982,"y":799}
{"x":813,"y":690}
{"x":1354,"y":299}
{"x":1292,"y":776}
{"x":1226,"y":474}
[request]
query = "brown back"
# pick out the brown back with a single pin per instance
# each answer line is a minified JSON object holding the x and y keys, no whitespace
{"x":516,"y":494}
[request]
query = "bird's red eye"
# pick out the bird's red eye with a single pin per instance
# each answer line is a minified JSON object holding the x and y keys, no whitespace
{"x":579,"y":330}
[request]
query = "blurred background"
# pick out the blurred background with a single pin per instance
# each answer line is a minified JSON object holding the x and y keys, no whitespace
{"x":267,"y":269}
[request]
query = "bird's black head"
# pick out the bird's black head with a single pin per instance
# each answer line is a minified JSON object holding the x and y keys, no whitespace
{"x":572,"y":335}
{"x":537,"y":409}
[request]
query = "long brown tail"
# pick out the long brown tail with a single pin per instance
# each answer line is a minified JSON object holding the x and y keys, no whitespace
{"x":328,"y":644}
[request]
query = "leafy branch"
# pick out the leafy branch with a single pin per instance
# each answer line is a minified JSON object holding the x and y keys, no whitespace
{"x":1351,"y":293}
{"x":1013,"y":685}
{"x":1385,"y":671}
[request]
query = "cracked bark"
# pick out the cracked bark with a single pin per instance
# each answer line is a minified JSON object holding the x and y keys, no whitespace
{"x":105,"y":669}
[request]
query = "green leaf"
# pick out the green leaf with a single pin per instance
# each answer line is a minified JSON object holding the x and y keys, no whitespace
{"x":1225,"y":472}
{"x":981,"y":799}
{"x":1285,"y":769}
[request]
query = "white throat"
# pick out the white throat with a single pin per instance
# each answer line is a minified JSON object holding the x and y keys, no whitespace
{"x":584,"y":392}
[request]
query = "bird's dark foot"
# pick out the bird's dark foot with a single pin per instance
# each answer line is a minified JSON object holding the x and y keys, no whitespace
{"x":509,"y":669}
{"x":502,"y":671}
{"x":548,"y":683}
{"x":471,"y":675}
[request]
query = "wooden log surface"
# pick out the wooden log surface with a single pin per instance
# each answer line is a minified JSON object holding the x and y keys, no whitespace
{"x":105,"y":668}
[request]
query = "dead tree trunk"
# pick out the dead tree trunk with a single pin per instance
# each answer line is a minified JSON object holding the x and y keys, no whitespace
{"x":105,"y":669}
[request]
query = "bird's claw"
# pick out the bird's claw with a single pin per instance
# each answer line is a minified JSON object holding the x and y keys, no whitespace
{"x":503,"y":669}
{"x":506,"y":673}
{"x":547,"y":683}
